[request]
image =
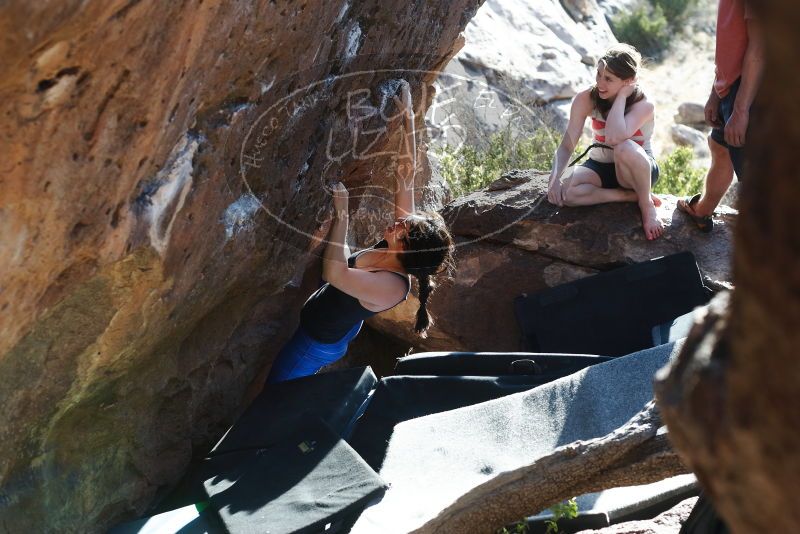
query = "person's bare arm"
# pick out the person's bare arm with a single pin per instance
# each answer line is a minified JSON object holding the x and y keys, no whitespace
{"x":407,"y":160}
{"x":711,"y":109}
{"x":334,"y":260}
{"x":381,"y":289}
{"x":621,"y":126}
{"x":752,"y":72}
{"x":580,"y":109}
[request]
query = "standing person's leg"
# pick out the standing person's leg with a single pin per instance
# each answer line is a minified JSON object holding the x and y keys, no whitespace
{"x":718,"y":180}
{"x":725,"y":160}
{"x":635,"y":171}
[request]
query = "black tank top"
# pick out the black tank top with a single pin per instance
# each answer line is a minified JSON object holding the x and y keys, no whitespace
{"x":329,"y":314}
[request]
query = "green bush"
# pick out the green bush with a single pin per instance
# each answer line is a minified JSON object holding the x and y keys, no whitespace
{"x":677,"y":174}
{"x":518,"y":528}
{"x":469,"y":168}
{"x":646,"y":28}
{"x":651,"y":24}
{"x":565,"y":510}
{"x":674,"y":10}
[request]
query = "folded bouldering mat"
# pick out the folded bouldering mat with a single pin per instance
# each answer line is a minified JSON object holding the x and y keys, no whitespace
{"x":432,"y":460}
{"x":620,"y":505}
{"x":612,"y":313}
{"x":299,"y":485}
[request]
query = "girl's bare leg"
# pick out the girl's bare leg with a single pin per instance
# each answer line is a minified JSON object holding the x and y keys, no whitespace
{"x":583,"y":188}
{"x":633,"y":172}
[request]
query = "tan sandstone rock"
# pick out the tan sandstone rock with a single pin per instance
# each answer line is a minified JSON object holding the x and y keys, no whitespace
{"x":162,"y":176}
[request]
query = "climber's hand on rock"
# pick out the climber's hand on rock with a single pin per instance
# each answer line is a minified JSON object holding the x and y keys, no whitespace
{"x":341,"y":199}
{"x":404,"y":103}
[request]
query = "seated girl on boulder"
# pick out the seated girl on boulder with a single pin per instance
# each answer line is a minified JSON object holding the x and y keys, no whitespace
{"x":621,"y":167}
{"x":373,"y":280}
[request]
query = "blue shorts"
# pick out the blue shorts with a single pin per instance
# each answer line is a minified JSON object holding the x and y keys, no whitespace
{"x":608,"y":172}
{"x":304,"y":356}
{"x":718,"y":134}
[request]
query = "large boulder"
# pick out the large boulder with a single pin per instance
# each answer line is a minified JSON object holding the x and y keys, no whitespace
{"x":687,"y":136}
{"x":518,"y":54}
{"x":550,"y":48}
{"x":691,"y":114}
{"x":513,"y":241}
{"x":163,"y":182}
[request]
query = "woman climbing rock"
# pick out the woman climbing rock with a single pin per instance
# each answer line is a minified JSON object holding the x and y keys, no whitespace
{"x":373,"y":280}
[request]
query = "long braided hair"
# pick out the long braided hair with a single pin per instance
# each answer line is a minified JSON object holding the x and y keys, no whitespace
{"x":428,"y":253}
{"x":623,"y":61}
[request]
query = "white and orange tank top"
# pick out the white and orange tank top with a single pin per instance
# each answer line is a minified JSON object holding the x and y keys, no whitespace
{"x":604,"y":155}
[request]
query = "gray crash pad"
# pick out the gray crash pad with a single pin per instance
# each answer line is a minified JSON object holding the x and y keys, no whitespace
{"x":433,"y":460}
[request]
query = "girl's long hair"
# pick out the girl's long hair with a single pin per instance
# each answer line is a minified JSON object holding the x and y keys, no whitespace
{"x":428,"y":254}
{"x":623,"y":61}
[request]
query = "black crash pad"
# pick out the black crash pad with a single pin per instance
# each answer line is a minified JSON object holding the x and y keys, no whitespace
{"x":335,"y":397}
{"x":612,"y":313}
{"x":299,"y":485}
{"x":704,"y":519}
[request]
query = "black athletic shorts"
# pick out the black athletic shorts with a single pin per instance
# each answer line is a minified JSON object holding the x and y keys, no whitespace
{"x":608,"y":172}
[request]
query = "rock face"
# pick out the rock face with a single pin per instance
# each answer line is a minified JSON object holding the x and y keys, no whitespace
{"x":514,"y":241}
{"x":163,"y":172}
